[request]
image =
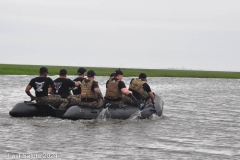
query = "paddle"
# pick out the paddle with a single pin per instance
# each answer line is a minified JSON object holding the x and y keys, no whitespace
{"x":29,"y":102}
{"x":139,"y":103}
{"x":102,"y":114}
{"x":154,"y":109}
{"x":106,"y":104}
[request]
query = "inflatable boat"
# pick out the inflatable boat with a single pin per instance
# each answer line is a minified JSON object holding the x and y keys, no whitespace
{"x":31,"y":109}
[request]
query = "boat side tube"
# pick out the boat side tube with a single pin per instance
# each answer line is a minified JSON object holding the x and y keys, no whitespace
{"x":84,"y":112}
{"x":81,"y":112}
{"x":31,"y":109}
{"x":24,"y":109}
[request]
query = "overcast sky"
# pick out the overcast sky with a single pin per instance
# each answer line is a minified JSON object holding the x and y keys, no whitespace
{"x":162,"y":34}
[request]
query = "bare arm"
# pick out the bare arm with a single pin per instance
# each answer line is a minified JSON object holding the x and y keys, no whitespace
{"x":126,"y":91}
{"x":50,"y":89}
{"x":27,"y":90}
{"x":151,"y":95}
{"x":78,"y":83}
{"x":98,"y":91}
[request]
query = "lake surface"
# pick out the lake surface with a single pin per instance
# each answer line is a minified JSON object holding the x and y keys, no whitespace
{"x":201,"y":120}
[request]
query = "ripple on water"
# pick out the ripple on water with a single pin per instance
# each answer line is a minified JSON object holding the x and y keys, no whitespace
{"x":200,"y":121}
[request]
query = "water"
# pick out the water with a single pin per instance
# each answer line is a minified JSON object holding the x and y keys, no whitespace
{"x":200,"y":121}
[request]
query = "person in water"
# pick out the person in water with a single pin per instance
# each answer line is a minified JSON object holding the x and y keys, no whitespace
{"x":41,"y":85}
{"x":140,"y":90}
{"x":91,"y":94}
{"x":115,"y":89}
{"x":61,"y":90}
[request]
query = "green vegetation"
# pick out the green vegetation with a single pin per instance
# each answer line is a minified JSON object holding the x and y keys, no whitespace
{"x":10,"y":69}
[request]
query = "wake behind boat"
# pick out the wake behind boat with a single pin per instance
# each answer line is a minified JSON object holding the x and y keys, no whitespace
{"x":31,"y":109}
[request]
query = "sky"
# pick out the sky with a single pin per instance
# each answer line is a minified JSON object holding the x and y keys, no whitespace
{"x":154,"y":34}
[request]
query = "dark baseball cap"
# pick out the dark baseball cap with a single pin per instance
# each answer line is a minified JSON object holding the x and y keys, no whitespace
{"x":91,"y":73}
{"x":118,"y":72}
{"x":63,"y":72}
{"x":81,"y":70}
{"x":43,"y":70}
{"x":142,"y":75}
{"x":112,"y":74}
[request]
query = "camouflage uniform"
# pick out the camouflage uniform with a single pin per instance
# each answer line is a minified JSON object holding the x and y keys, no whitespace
{"x":56,"y":100}
{"x":74,"y":100}
{"x":94,"y":104}
{"x":119,"y":104}
{"x":44,"y":100}
{"x":129,"y":100}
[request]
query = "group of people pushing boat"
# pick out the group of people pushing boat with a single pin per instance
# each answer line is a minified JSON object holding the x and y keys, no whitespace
{"x":64,"y":92}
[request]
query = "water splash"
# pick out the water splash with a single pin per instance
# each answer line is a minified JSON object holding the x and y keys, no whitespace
{"x":102,"y":115}
{"x":136,"y":116}
{"x":153,"y":116}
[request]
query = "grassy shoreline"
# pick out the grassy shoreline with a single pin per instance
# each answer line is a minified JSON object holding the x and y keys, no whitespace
{"x":12,"y":69}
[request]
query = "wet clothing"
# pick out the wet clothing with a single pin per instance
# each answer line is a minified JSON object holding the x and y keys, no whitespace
{"x":113,"y":92}
{"x":41,"y":85}
{"x":88,"y":96}
{"x":77,"y":90}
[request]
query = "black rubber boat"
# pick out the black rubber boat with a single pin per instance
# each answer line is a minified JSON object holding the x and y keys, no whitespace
{"x":31,"y":109}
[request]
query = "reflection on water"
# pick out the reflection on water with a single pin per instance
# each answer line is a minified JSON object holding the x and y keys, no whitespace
{"x":200,"y":121}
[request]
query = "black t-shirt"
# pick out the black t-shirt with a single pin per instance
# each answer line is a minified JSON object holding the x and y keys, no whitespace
{"x":41,"y":85}
{"x":63,"y":87}
{"x":146,"y":87}
{"x":77,"y":90}
{"x":94,"y":85}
